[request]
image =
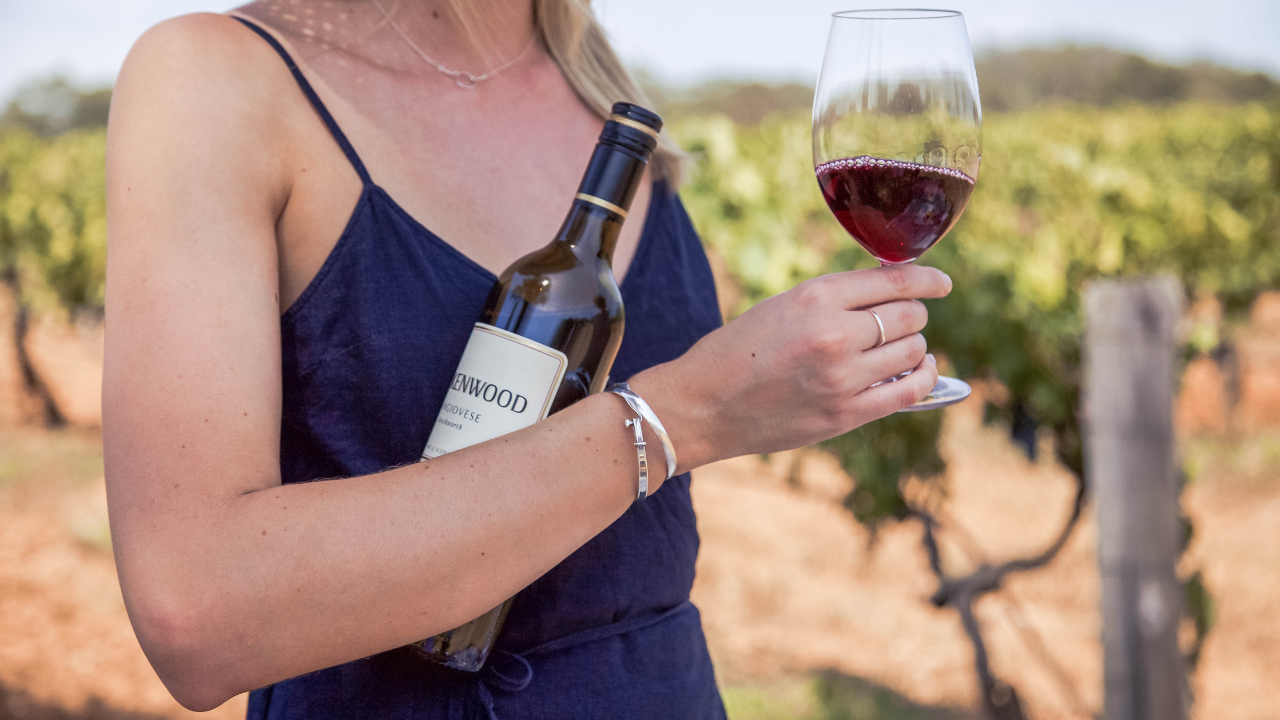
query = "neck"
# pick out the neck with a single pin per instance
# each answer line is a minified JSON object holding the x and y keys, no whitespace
{"x":480,"y":36}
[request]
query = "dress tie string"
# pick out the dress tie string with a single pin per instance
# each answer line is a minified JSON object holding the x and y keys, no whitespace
{"x":511,"y":672}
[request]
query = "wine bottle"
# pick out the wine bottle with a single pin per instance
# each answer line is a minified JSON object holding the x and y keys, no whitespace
{"x":547,"y":336}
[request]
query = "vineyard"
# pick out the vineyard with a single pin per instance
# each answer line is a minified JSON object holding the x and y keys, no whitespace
{"x":53,"y":217}
{"x":1065,"y":194}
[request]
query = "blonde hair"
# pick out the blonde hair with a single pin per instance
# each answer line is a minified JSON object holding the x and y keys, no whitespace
{"x":571,"y":35}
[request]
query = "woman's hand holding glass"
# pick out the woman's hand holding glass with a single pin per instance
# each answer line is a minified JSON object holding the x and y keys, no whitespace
{"x":800,"y":367}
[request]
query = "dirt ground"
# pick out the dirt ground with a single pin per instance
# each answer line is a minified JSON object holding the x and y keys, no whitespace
{"x":788,"y":584}
{"x":66,"y":647}
{"x":793,"y":592}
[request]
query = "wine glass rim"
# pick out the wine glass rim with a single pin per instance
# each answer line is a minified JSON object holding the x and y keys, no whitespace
{"x":896,"y":14}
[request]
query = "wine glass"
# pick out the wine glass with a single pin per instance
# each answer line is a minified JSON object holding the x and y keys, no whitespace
{"x":897,"y":136}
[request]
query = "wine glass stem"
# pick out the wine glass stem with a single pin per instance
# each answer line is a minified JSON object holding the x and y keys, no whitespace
{"x":884,"y":264}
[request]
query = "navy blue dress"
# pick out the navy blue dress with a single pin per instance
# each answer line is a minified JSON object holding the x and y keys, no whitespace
{"x":368,"y":351}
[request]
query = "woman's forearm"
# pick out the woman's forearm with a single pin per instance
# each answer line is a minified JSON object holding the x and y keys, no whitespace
{"x":284,"y":580}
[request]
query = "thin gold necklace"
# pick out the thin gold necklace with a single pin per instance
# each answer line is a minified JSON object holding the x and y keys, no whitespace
{"x":461,"y":78}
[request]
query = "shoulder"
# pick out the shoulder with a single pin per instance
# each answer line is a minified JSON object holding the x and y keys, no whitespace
{"x":198,"y":90}
{"x":202,"y":46}
{"x":199,"y":72}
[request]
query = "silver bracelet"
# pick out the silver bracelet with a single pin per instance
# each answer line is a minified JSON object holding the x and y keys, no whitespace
{"x":641,"y":408}
{"x":642,"y":488}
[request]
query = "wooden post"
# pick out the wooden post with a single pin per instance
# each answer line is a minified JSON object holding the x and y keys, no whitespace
{"x":1130,"y":359}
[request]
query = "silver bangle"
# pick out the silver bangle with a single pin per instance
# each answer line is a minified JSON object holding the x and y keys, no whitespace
{"x":642,"y":488}
{"x":642,"y":409}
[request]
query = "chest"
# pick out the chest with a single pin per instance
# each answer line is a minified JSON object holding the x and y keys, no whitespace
{"x":491,"y":171}
{"x":368,"y":351}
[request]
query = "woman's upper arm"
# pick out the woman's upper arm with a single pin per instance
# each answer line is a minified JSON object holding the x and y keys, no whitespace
{"x":196,"y":176}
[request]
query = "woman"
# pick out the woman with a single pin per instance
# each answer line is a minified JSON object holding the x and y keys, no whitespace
{"x":276,"y":317}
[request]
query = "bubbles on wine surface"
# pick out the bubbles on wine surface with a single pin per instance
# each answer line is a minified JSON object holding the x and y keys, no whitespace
{"x":894,"y":209}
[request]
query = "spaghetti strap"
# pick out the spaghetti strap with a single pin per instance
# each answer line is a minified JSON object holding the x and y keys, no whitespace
{"x":310,"y":92}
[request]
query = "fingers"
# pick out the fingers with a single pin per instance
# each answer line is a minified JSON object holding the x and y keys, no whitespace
{"x":890,"y":359}
{"x":890,"y":397}
{"x":898,"y":319}
{"x":866,"y":288}
{"x":858,"y":289}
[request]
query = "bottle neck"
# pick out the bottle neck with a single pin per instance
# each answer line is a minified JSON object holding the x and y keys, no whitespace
{"x":604,"y":197}
{"x":613,"y":175}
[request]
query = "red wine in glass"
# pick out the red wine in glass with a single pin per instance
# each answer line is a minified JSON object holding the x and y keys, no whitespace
{"x":894,"y":209}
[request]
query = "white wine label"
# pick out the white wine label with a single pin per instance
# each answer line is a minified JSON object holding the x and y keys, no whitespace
{"x":503,"y":383}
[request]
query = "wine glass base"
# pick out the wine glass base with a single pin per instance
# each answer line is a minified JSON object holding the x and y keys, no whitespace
{"x":948,"y":391}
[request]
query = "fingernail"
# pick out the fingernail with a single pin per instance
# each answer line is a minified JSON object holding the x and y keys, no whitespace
{"x":949,"y":283}
{"x":932,"y":360}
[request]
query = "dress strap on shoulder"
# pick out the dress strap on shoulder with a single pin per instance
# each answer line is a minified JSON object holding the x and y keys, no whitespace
{"x":310,"y":92}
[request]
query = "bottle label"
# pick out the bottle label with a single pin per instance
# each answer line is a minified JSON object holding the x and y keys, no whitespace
{"x":503,"y":383}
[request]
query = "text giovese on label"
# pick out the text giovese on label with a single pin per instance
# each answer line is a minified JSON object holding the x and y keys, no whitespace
{"x":503,"y":383}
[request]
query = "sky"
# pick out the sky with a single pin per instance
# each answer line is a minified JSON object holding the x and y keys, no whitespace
{"x":684,"y":41}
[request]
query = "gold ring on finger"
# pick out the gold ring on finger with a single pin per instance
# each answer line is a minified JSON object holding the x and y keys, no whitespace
{"x":880,"y":325}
